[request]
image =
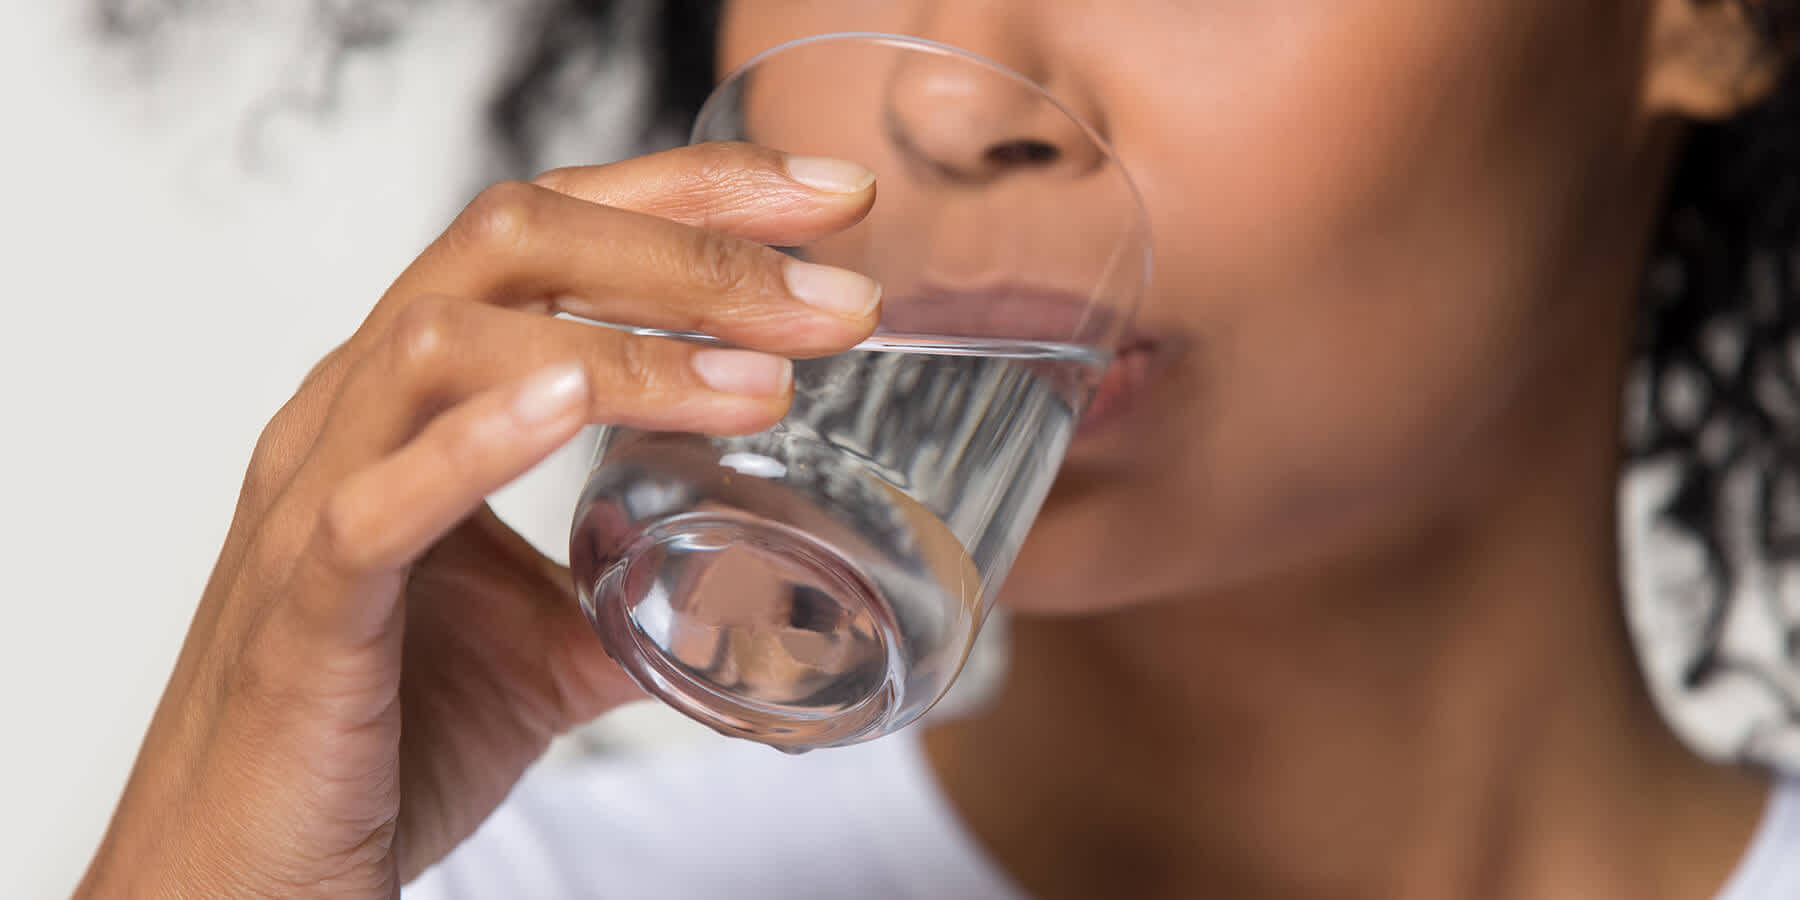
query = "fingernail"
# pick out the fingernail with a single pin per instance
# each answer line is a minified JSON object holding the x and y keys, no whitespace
{"x":550,"y":394}
{"x":743,"y":371}
{"x":833,"y":176}
{"x":834,"y":290}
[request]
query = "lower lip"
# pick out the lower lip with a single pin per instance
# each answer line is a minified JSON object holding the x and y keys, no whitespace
{"x":1112,"y":397}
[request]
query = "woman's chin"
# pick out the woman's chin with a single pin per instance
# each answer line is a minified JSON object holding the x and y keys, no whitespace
{"x":1075,"y":587}
{"x":1070,"y":563}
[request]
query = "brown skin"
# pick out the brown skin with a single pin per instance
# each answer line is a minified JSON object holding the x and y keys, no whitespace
{"x":1348,"y":586}
{"x":377,"y":658}
{"x":1345,"y":574}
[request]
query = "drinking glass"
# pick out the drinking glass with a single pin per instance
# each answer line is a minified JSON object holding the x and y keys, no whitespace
{"x":820,"y":583}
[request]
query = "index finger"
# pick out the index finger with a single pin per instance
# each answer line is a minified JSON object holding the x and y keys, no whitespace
{"x":744,"y":190}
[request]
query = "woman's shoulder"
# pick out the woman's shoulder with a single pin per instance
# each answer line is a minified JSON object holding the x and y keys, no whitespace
{"x":723,"y":819}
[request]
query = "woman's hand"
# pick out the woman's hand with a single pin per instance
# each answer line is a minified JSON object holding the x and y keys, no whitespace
{"x":377,"y":658}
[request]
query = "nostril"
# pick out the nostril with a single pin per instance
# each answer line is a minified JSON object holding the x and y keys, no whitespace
{"x":1023,"y":152}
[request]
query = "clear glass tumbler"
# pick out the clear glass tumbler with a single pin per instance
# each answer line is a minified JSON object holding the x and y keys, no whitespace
{"x":821,"y":583}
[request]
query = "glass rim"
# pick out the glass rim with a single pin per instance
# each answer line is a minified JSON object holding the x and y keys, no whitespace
{"x":1140,"y":214}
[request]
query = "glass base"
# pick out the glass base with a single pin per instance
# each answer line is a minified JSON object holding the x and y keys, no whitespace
{"x":752,"y":627}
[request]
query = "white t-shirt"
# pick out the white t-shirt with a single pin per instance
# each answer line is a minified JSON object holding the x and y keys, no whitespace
{"x":740,"y":821}
{"x":728,"y":819}
{"x":1770,"y":869}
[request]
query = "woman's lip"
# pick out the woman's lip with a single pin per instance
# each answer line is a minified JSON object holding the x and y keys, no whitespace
{"x":1003,"y":310}
{"x":1029,"y":312}
{"x":1133,"y":367}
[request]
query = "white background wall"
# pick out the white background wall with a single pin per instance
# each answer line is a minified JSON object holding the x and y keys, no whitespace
{"x":165,"y":283}
{"x":161,"y":294}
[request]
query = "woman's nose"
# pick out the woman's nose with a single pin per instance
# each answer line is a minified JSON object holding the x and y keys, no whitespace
{"x":968,"y":123}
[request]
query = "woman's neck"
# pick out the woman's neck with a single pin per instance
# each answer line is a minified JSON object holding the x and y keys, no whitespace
{"x":1459,"y":716}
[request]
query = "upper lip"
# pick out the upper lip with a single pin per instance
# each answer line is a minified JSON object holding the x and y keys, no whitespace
{"x":1134,"y":339}
{"x":1017,"y":311}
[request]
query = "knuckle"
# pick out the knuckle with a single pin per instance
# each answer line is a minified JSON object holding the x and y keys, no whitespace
{"x":268,"y":458}
{"x":728,"y":169}
{"x":462,"y":455}
{"x":342,"y":536}
{"x":423,"y":334}
{"x":725,"y":266}
{"x":290,"y":432}
{"x":715,"y":165}
{"x":276,"y":454}
{"x":328,"y":370}
{"x":639,"y":365}
{"x":499,"y":218}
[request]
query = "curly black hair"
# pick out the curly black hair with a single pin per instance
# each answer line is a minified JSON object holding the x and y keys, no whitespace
{"x":1719,"y":348}
{"x":1718,"y":362}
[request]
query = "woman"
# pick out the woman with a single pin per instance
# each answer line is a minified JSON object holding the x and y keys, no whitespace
{"x":1330,"y":611}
